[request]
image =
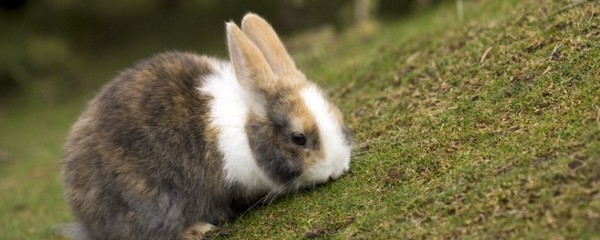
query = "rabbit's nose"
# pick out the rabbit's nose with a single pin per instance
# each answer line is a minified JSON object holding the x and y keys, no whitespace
{"x":334,"y":176}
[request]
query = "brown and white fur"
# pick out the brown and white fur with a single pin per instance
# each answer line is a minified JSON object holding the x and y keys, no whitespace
{"x":182,"y":142}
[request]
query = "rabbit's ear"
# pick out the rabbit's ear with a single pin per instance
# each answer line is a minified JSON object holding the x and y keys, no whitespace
{"x":251,"y":68}
{"x":265,"y":38}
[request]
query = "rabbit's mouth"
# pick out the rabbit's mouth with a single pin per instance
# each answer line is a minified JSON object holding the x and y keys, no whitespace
{"x":309,"y":186}
{"x":318,"y":176}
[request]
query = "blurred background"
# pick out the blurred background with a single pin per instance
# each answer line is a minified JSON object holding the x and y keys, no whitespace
{"x":55,"y":50}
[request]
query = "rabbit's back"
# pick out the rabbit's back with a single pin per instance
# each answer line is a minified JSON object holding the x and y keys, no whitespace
{"x":140,"y":160}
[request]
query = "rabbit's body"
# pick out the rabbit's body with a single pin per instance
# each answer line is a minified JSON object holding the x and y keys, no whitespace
{"x":182,"y":141}
{"x":128,"y":149}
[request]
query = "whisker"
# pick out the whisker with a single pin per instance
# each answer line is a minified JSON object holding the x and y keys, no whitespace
{"x":273,"y":193}
{"x":284,"y":188}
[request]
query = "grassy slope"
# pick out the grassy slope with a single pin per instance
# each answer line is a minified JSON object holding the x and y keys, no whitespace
{"x":452,"y":146}
{"x":447,"y":145}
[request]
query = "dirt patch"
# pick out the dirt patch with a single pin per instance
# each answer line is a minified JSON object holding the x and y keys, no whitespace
{"x":323,"y":231}
{"x":394,"y":176}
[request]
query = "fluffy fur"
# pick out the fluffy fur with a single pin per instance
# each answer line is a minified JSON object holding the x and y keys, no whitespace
{"x":182,"y":142}
{"x":337,"y":154}
{"x":229,"y":113}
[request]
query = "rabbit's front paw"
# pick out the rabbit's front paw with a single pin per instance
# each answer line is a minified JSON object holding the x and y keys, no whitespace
{"x":197,"y":231}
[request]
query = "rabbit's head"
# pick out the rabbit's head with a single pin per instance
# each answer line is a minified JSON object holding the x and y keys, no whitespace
{"x":296,"y":137}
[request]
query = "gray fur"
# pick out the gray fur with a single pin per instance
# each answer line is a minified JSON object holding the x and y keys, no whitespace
{"x":138,"y":163}
{"x":75,"y":231}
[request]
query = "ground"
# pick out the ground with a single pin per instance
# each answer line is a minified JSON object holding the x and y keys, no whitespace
{"x":485,"y":127}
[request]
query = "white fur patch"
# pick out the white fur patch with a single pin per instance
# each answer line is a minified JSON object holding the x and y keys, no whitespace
{"x":229,"y":113}
{"x":337,"y":153}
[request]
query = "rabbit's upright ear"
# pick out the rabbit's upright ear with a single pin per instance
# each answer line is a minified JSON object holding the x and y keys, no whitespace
{"x":251,"y":68}
{"x":265,"y":38}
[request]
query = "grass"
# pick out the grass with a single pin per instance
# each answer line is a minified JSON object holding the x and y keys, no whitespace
{"x":483,"y":128}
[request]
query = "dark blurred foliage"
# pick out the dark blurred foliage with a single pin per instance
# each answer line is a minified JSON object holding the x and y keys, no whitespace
{"x":46,"y":43}
{"x":12,"y":4}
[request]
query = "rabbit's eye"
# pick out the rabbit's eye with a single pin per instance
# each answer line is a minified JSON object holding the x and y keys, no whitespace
{"x":298,"y":138}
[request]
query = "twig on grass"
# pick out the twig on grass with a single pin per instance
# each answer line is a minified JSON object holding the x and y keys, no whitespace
{"x":484,"y":56}
{"x":598,"y":116}
{"x":572,"y":5}
{"x":555,"y":54}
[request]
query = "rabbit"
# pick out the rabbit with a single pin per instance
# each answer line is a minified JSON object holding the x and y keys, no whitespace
{"x":181,"y":142}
